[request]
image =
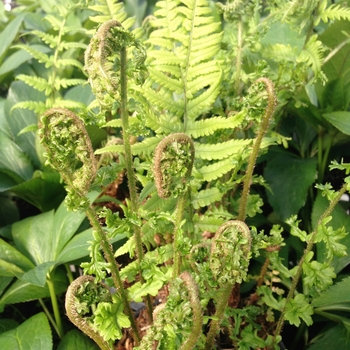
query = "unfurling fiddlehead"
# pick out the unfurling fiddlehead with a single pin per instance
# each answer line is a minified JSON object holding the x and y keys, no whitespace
{"x":81,"y":295}
{"x":183,"y":291}
{"x":271,"y":104}
{"x":173,"y":162}
{"x":70,"y":152}
{"x":229,"y":260}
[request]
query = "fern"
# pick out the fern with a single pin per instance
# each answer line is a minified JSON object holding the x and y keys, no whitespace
{"x":38,"y":55}
{"x":206,"y":197}
{"x":214,"y":171}
{"x":335,"y":12}
{"x":110,"y":9}
{"x":35,"y":106}
{"x":184,"y":75}
{"x":220,"y":150}
{"x":312,"y":54}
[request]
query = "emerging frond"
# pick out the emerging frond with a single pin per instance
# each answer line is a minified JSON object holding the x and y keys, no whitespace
{"x":220,"y":150}
{"x":40,"y":56}
{"x":335,"y":12}
{"x":312,"y":54}
{"x":110,"y":9}
{"x":184,"y":76}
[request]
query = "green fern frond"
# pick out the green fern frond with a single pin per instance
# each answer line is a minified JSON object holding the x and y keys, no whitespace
{"x":37,"y":83}
{"x":206,"y":197}
{"x":147,"y":146}
{"x":204,"y":223}
{"x":69,"y":104}
{"x":55,"y":21}
{"x":220,"y":150}
{"x":184,"y":75}
{"x":110,"y":9}
{"x":281,"y":52}
{"x":214,"y":171}
{"x":64,"y":83}
{"x":48,"y":39}
{"x":40,"y":56}
{"x":72,"y":45}
{"x":207,"y":127}
{"x":164,"y":124}
{"x":36,"y":106}
{"x":110,"y":149}
{"x":335,"y":12}
{"x":312,"y":54}
{"x":66,"y":62}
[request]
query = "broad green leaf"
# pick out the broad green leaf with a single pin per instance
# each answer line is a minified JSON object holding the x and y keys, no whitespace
{"x":21,"y":291}
{"x":337,"y":337}
{"x":44,"y":190}
{"x":12,"y":255}
{"x":13,"y":161}
{"x":9,"y":270}
{"x":32,"y":237}
{"x":341,"y":120}
{"x":9,"y":34}
{"x":6,"y":182}
{"x":21,"y":118}
{"x":38,"y":275}
{"x":7,"y":324}
{"x":8,"y":210}
{"x":289,"y":179}
{"x":336,"y":294}
{"x":75,"y":339}
{"x":33,"y":334}
{"x":339,"y":65}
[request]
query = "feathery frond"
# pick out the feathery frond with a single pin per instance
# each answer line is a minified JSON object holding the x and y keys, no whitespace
{"x":184,"y":75}
{"x":335,"y":12}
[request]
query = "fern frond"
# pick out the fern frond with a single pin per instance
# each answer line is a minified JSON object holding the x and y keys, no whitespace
{"x":55,"y":21}
{"x":214,"y":171}
{"x":36,"y":106}
{"x":207,"y":223}
{"x":64,"y":83}
{"x":220,"y":150}
{"x":183,"y":69}
{"x":40,"y":56}
{"x":37,"y":83}
{"x":312,"y":54}
{"x":335,"y":12}
{"x":206,"y":197}
{"x":207,"y":127}
{"x":48,"y":39}
{"x":110,"y":149}
{"x":72,"y":45}
{"x":110,"y":9}
{"x":147,"y":146}
{"x":66,"y":62}
{"x":69,"y":104}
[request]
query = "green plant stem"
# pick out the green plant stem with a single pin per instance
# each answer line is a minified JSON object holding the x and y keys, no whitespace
{"x":252,"y":159}
{"x":178,"y":233}
{"x":49,"y":316}
{"x":55,"y":307}
{"x":69,"y":273}
{"x":222,"y":301}
{"x":129,"y":166}
{"x":308,"y":249}
{"x":239,"y":57}
{"x":108,"y":253}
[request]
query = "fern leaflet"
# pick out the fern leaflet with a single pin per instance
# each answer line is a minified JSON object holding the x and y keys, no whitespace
{"x":206,"y":197}
{"x":335,"y":12}
{"x":215,"y":170}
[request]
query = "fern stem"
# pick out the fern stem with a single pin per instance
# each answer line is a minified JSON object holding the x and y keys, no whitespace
{"x":129,"y":166}
{"x":239,"y":57}
{"x":252,"y":159}
{"x":108,"y":253}
{"x":55,"y":307}
{"x":308,"y":249}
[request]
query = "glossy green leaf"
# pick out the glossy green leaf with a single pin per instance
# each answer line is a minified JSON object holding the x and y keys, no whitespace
{"x":7,"y":324}
{"x":289,"y":179}
{"x":21,"y":291}
{"x":38,"y":275}
{"x":8,"y":269}
{"x":32,"y":237}
{"x":9,"y":33}
{"x":336,"y":294}
{"x":13,"y":161}
{"x":8,"y":210}
{"x":21,"y":118}
{"x":340,"y":120}
{"x":33,"y":334}
{"x":335,"y":338}
{"x":74,"y":340}
{"x":44,"y":190}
